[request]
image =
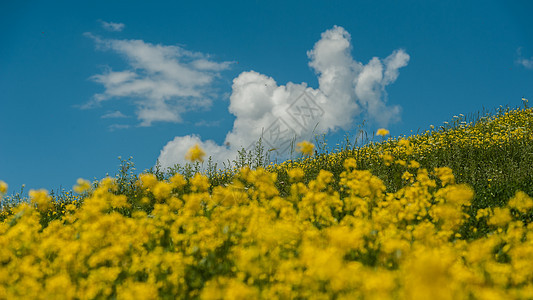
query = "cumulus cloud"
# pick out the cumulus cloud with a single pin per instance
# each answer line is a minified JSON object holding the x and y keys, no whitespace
{"x":163,"y":82}
{"x":281,"y":114}
{"x":110,"y":26}
{"x":174,"y":151}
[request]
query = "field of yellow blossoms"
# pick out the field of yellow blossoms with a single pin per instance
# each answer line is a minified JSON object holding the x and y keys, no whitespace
{"x":390,"y":220}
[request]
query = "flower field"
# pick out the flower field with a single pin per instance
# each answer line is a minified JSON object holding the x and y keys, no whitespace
{"x":444,"y":214}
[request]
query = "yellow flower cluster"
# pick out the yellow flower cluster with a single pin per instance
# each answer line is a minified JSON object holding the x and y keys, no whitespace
{"x":82,"y":186}
{"x":305,"y":147}
{"x":195,"y":154}
{"x":498,"y":130}
{"x":494,"y":132}
{"x":3,"y":187}
{"x":382,"y":132}
{"x":245,"y":241}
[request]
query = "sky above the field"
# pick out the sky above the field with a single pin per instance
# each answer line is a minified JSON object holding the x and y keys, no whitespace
{"x":84,"y":82}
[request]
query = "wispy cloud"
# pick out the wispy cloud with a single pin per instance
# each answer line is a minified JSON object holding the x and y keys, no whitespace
{"x":114,"y":114}
{"x":526,"y":62}
{"x":163,"y":82}
{"x":115,"y":127}
{"x":110,"y":26}
{"x":278,"y":113}
{"x":207,"y":123}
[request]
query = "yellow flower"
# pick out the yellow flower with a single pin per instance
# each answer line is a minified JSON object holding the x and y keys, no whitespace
{"x":41,"y":199}
{"x":414,"y":165}
{"x":401,"y":162}
{"x":404,"y":143}
{"x":195,"y":154}
{"x":349,"y":164}
{"x":407,"y":176}
{"x":500,"y":217}
{"x":296,"y":174}
{"x":70,"y":207}
{"x":387,"y":158}
{"x":147,"y":180}
{"x":521,"y":201}
{"x":199,"y":183}
{"x":3,"y":187}
{"x":177,"y":180}
{"x":162,"y":190}
{"x":305,"y":147}
{"x":82,"y":186}
{"x":382,"y":132}
{"x":445,"y":175}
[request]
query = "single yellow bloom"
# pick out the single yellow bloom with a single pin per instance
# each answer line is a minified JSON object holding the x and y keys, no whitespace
{"x":195,"y":153}
{"x":296,"y":174}
{"x":41,"y":199}
{"x":414,"y":164}
{"x":404,"y":143}
{"x":82,"y":186}
{"x":407,"y":176}
{"x":305,"y":147}
{"x":3,"y":187}
{"x":147,"y":180}
{"x":401,"y":162}
{"x":500,"y":217}
{"x":445,"y":175}
{"x":382,"y":132}
{"x":177,"y":180}
{"x":350,"y":163}
{"x":521,"y":201}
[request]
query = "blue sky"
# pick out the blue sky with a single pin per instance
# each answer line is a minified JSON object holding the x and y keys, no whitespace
{"x":82,"y":83}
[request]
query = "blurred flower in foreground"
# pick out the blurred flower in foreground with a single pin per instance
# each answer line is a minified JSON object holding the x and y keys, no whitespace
{"x":305,"y":147}
{"x":82,"y":186}
{"x":195,"y":153}
{"x":382,"y":132}
{"x":3,"y":187}
{"x":41,"y":199}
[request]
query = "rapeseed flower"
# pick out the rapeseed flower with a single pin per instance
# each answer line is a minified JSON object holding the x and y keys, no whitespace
{"x":500,"y":217}
{"x":521,"y":201}
{"x":296,"y":174}
{"x":382,"y":132}
{"x":82,"y":186}
{"x":195,"y":153}
{"x":305,"y":147}
{"x":445,"y":175}
{"x":322,"y":234}
{"x":41,"y":199}
{"x":3,"y":187}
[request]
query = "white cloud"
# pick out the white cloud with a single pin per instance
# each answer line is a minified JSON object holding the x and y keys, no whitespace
{"x":281,"y":113}
{"x":110,"y":26}
{"x":527,"y":63}
{"x":115,"y":114}
{"x":174,"y":151}
{"x":163,"y":82}
{"x":207,"y":123}
{"x":118,"y":127}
